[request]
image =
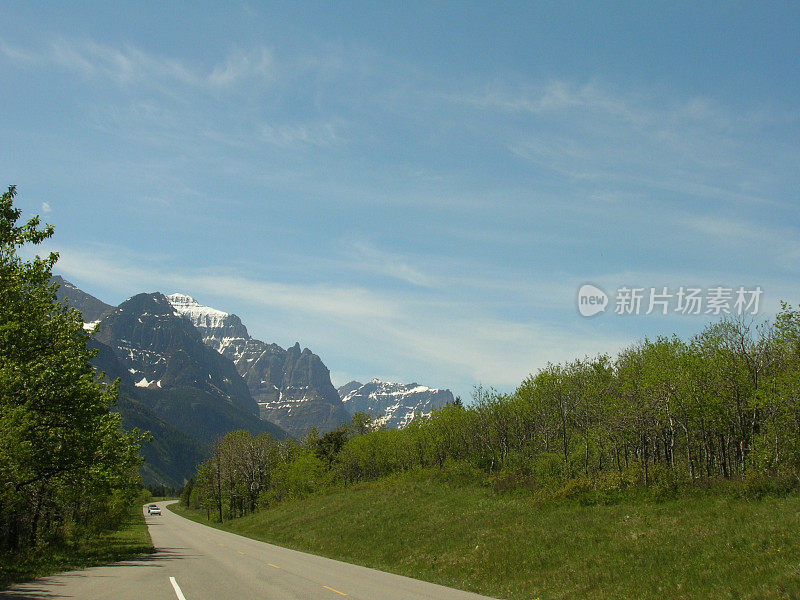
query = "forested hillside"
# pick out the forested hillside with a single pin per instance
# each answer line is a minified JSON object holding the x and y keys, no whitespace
{"x":667,"y":471}
{"x":662,"y":415}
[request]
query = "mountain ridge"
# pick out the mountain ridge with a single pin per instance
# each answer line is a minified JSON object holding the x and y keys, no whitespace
{"x":91,"y":308}
{"x":171,"y":383}
{"x":190,"y":373}
{"x":393,"y":404}
{"x":291,"y":386}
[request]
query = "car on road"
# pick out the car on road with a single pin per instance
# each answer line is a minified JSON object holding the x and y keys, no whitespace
{"x":153,"y":510}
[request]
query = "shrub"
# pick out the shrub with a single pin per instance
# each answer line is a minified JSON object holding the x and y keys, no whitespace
{"x":548,"y":468}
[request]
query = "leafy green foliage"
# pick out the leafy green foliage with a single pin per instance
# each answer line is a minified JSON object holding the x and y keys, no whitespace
{"x":66,"y":467}
{"x":128,"y":539}
{"x":663,"y":415}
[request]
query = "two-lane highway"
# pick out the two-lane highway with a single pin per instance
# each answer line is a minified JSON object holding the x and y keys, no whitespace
{"x":196,"y":562}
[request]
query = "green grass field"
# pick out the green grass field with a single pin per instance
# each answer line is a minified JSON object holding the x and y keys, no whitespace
{"x":131,"y":540}
{"x":462,"y":534}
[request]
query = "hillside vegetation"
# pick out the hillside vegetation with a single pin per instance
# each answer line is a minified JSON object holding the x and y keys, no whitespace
{"x":669,"y":471}
{"x":662,"y":415}
{"x":451,"y":527}
{"x":128,"y":539}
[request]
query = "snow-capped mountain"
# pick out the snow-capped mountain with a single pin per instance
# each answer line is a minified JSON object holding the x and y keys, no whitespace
{"x":222,"y":331}
{"x":161,"y":350}
{"x":173,"y":385}
{"x":292,"y":387}
{"x":392,"y":404}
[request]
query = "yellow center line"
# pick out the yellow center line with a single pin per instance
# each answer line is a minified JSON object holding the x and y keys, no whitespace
{"x":240,"y":552}
{"x":273,"y":566}
{"x":333,"y":590}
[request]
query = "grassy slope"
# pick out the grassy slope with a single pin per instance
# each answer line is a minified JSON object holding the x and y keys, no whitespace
{"x":464,"y":535}
{"x":131,"y":540}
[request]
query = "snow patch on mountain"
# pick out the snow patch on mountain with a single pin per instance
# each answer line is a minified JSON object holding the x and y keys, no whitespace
{"x":199,"y":315}
{"x":393,"y":404}
{"x":279,"y":380}
{"x":224,"y":332}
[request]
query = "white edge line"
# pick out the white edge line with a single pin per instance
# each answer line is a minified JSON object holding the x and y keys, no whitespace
{"x":177,"y":589}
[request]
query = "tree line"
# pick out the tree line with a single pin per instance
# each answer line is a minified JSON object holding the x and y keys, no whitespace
{"x":67,"y":469}
{"x":724,"y":404}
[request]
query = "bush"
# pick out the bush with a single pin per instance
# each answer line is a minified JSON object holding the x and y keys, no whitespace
{"x":581,"y":488}
{"x":516,"y":472}
{"x":507,"y":479}
{"x":664,"y":483}
{"x":758,"y":485}
{"x":548,"y":469}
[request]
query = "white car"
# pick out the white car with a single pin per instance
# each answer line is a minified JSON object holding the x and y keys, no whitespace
{"x":153,"y":510}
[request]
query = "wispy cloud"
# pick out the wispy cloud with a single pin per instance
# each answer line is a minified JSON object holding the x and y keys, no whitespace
{"x":365,"y":256}
{"x":298,"y":135}
{"x":328,"y":300}
{"x":726,"y":228}
{"x":641,"y":108}
{"x":417,"y":336}
{"x":651,"y":139}
{"x":16,"y":54}
{"x":125,"y":65}
{"x":779,"y":242}
{"x":408,"y":219}
{"x":241,"y":65}
{"x":128,"y":65}
{"x":333,"y":301}
{"x":496,"y":351}
{"x":551,"y":97}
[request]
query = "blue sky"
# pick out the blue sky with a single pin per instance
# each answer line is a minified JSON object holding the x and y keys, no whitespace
{"x":415,"y":191}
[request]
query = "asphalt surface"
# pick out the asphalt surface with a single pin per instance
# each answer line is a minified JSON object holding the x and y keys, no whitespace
{"x":196,"y":562}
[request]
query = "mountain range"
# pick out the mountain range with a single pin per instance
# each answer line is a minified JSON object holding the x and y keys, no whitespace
{"x":292,"y":387}
{"x":190,"y":373}
{"x":391,"y":404}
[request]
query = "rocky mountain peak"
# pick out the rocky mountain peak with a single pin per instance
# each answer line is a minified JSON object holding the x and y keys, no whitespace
{"x":348,"y":387}
{"x":91,"y":308}
{"x":292,"y":387}
{"x":219,"y":330}
{"x":392,"y":404}
{"x":163,"y":350}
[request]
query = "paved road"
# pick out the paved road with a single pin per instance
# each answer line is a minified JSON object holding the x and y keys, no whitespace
{"x":195,"y":562}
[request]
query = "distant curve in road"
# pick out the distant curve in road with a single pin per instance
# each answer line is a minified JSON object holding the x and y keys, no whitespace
{"x":197,"y":562}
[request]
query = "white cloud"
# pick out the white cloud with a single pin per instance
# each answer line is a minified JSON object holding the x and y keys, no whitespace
{"x":637,"y":139}
{"x":125,"y":65}
{"x":778,"y":242}
{"x":46,"y":207}
{"x":16,"y":54}
{"x":726,"y":228}
{"x":367,"y":257}
{"x":642,"y":107}
{"x":553,"y":97}
{"x":320,"y":300}
{"x":417,"y":336}
{"x":130,"y":65}
{"x":495,"y":350}
{"x":564,"y":161}
{"x":325,"y":300}
{"x":243,"y":65}
{"x":321,"y":134}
